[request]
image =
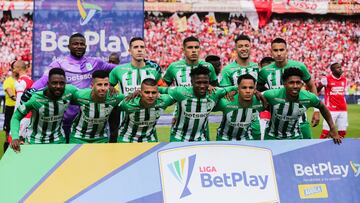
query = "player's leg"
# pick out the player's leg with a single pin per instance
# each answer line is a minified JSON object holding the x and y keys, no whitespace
{"x":305,"y":127}
{"x":9,"y":110}
{"x":342,"y":123}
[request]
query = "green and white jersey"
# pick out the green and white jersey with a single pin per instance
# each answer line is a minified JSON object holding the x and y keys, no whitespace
{"x":272,"y":74}
{"x":46,"y":119}
{"x":239,"y":123}
{"x":192,"y":113}
{"x":232,"y":71}
{"x":139,"y":123}
{"x":130,"y":77}
{"x":179,"y":72}
{"x":89,"y":125}
{"x":284,"y":122}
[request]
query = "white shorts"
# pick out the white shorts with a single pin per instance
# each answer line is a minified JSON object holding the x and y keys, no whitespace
{"x":340,"y":119}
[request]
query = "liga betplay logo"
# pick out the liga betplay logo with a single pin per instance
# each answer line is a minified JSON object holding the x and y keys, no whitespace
{"x":87,"y":11}
{"x":177,"y":170}
{"x":218,"y":172}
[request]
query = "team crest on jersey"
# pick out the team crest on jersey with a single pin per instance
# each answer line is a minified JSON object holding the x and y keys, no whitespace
{"x":88,"y":66}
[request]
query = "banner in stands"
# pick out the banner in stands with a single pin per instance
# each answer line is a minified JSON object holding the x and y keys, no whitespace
{"x":108,"y":26}
{"x":251,"y":171}
{"x":347,"y":7}
{"x":16,"y":5}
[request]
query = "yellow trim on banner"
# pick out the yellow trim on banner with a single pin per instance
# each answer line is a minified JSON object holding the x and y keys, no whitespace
{"x":87,"y":165}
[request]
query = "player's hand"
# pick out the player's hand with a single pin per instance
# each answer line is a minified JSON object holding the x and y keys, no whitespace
{"x":211,"y":89}
{"x":27,"y":95}
{"x":315,"y":119}
{"x":15,"y":145}
{"x":261,"y":98}
{"x":173,"y":121}
{"x":336,"y":137}
{"x":230,"y":96}
{"x":133,"y":95}
{"x":113,"y":91}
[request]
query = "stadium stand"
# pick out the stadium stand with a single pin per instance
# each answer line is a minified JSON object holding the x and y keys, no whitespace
{"x":314,"y":40}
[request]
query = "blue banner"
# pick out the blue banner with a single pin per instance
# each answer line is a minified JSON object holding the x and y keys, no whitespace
{"x":247,"y":171}
{"x":108,"y":26}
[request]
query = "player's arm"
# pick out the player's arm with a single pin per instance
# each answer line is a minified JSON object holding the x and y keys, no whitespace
{"x":321,"y":84}
{"x":167,"y":100}
{"x":261,"y":83}
{"x":42,"y":82}
{"x":213,"y":78}
{"x":105,"y":65}
{"x":169,"y":76}
{"x":316,"y":116}
{"x":255,"y":129}
{"x":19,"y":114}
{"x":225,"y":79}
{"x":327,"y":116}
{"x":113,"y":80}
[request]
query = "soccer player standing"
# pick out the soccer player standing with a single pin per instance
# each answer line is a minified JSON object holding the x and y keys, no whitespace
{"x":272,"y":76}
{"x":241,"y":116}
{"x":335,"y":86}
{"x":242,"y":65}
{"x":289,"y":103}
{"x":96,"y":104}
{"x":130,"y":75}
{"x":142,"y":113}
{"x":179,"y":71}
{"x":194,"y":105}
{"x":47,"y":106}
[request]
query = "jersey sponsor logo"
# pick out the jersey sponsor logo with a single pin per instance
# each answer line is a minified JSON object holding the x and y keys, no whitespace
{"x":78,"y":77}
{"x":187,"y":94}
{"x":87,"y":11}
{"x":196,"y":115}
{"x":232,"y":106}
{"x":131,"y":89}
{"x":95,"y":121}
{"x":312,"y":191}
{"x":239,"y":124}
{"x":304,"y":101}
{"x":185,"y":84}
{"x":289,"y":118}
{"x":189,"y":175}
{"x":51,"y":119}
{"x":279,"y":99}
{"x":337,"y":91}
{"x":145,"y":123}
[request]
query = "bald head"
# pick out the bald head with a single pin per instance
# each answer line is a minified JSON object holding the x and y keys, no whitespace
{"x":19,"y":68}
{"x":20,"y":64}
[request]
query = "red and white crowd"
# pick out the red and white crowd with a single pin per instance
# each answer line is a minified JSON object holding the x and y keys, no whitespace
{"x":315,"y":41}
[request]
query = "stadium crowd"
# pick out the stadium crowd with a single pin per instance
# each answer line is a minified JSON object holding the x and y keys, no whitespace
{"x":314,"y":41}
{"x":15,"y":40}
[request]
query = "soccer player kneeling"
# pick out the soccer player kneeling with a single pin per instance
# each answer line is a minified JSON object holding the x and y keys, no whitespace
{"x":287,"y":104}
{"x":47,"y":106}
